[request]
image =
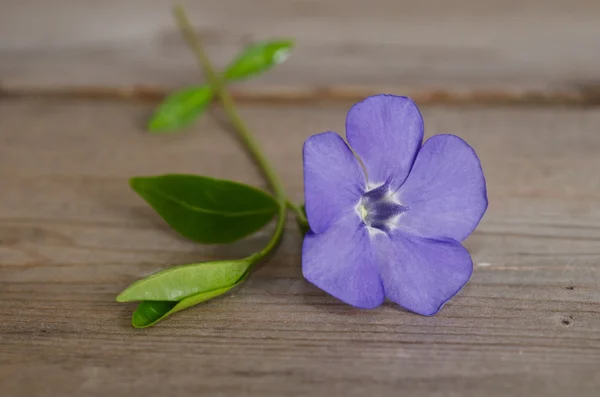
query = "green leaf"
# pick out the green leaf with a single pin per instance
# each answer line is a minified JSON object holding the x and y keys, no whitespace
{"x":258,"y":58}
{"x":180,"y":108}
{"x":149,"y":313}
{"x":204,"y":209}
{"x":179,"y":282}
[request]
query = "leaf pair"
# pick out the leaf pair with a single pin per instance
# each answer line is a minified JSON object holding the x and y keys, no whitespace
{"x":204,"y":210}
{"x":180,"y":287}
{"x":183,"y":106}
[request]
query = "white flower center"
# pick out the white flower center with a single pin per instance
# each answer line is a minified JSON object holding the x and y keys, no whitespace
{"x":379,"y":209}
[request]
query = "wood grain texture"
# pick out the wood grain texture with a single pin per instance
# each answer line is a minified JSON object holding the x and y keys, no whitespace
{"x":461,"y":45}
{"x":72,"y":235}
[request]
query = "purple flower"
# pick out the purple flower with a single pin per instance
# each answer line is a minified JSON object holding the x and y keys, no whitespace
{"x":393,"y":229}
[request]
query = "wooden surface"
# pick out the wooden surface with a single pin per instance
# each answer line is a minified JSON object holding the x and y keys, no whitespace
{"x":72,"y":235}
{"x":509,"y":45}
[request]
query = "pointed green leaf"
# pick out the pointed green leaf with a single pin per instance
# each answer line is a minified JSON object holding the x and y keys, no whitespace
{"x":149,"y":313}
{"x":258,"y":58}
{"x":204,"y":209}
{"x":180,"y":108}
{"x":179,"y":282}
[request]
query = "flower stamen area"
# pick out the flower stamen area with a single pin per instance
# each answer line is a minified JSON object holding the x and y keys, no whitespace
{"x":379,"y":210}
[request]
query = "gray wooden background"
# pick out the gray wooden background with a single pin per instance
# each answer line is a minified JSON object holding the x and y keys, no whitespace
{"x":519,"y":80}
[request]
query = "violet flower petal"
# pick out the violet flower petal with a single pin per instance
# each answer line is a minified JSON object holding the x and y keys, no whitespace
{"x":420,"y":274}
{"x":386,"y":132}
{"x":343,"y":263}
{"x":333,"y":180}
{"x":445,"y":192}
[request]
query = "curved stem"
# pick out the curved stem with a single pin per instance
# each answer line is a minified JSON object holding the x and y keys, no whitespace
{"x":244,"y":133}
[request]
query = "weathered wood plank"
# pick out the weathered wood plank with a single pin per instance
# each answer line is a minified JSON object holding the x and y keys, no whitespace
{"x":463,"y":45}
{"x":72,"y":235}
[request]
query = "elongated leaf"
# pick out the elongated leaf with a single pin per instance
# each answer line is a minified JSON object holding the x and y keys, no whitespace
{"x":149,"y":313}
{"x":179,"y":282}
{"x":258,"y":58}
{"x":180,"y":108}
{"x":204,"y":209}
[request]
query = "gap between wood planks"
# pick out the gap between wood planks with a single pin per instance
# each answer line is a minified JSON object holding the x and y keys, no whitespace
{"x":583,"y":96}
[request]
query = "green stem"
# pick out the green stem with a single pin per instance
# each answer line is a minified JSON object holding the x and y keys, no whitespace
{"x":298,"y":212}
{"x":244,"y":133}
